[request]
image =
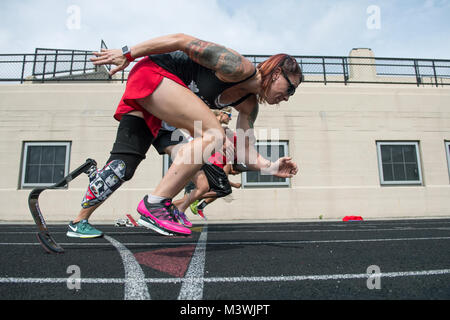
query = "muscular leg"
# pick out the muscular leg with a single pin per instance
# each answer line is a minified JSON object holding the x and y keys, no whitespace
{"x":132,"y":142}
{"x":179,"y":107}
{"x":201,"y":190}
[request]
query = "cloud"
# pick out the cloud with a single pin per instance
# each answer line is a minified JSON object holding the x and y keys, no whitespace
{"x":298,"y":27}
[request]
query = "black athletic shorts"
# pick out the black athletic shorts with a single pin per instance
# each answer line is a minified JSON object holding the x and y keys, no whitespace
{"x":164,"y":140}
{"x":217,"y":180}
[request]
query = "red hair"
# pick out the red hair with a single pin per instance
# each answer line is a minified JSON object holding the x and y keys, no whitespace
{"x":267,"y":69}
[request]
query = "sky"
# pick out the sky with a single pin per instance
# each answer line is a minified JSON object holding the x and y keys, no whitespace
{"x":391,"y":28}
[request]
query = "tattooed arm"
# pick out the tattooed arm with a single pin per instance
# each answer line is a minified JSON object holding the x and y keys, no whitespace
{"x":284,"y":167}
{"x":246,"y":150}
{"x":229,"y":65}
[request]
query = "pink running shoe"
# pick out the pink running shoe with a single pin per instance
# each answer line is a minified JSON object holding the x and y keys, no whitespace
{"x":159,"y":218}
{"x":181,"y":217}
{"x":201,"y":214}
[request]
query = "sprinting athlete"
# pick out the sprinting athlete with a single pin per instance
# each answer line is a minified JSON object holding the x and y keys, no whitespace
{"x":158,"y":89}
{"x":211,"y":181}
{"x":198,"y":208}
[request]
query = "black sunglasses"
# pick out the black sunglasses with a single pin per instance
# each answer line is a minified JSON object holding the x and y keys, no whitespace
{"x":227,"y":113}
{"x":291,"y":88}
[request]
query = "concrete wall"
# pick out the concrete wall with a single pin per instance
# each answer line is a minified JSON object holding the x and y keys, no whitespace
{"x":332,"y":132}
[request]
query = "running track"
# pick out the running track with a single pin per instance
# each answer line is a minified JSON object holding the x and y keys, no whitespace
{"x":407,"y":259}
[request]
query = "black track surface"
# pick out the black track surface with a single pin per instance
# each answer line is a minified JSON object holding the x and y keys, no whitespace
{"x":276,"y":261}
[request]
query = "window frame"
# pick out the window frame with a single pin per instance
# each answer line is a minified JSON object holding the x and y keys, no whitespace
{"x":26,"y":144}
{"x":166,"y":164}
{"x":399,"y":182}
{"x":447,"y":152}
{"x":286,"y":184}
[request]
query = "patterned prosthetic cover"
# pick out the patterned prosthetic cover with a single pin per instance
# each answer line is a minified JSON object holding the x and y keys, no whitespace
{"x":102,"y":183}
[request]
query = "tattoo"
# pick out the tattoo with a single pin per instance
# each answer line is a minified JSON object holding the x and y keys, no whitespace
{"x":215,"y":57}
{"x":253,"y":116}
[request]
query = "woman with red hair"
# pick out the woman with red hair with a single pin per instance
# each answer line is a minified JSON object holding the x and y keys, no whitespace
{"x":177,"y":83}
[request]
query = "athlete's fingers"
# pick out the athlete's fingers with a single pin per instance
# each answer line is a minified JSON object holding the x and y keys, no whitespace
{"x":117,"y":69}
{"x":100,"y":54}
{"x":100,"y":59}
{"x":286,"y":167}
{"x":114,"y":71}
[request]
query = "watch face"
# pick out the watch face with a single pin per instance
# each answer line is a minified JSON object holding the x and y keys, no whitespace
{"x":125,"y":49}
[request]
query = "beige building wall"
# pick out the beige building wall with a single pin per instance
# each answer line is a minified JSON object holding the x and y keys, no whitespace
{"x":332,"y":132}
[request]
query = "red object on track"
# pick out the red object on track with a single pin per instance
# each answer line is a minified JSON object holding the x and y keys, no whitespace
{"x":132,"y":220}
{"x":352,"y":218}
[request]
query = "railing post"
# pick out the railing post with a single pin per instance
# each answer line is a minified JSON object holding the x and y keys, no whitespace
{"x":324,"y":71}
{"x":43,"y":69}
{"x":56,"y":60}
{"x":34,"y":62}
{"x":416,"y":69}
{"x":435,"y":75}
{"x":71,"y":62}
{"x":343,"y":70}
{"x":23,"y":68}
{"x":85,"y":60}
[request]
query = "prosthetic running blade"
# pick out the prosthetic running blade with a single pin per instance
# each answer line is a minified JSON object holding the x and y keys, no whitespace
{"x":43,"y":235}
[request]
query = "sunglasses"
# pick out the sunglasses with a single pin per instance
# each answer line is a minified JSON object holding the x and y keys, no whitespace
{"x":227,"y":113}
{"x":291,"y":88}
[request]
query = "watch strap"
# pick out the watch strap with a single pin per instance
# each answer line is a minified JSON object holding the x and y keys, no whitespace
{"x":127,"y":53}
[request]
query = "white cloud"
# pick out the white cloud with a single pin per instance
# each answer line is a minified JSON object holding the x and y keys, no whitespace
{"x":327,"y":27}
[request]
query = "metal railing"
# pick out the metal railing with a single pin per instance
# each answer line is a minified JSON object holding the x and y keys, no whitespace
{"x":62,"y":65}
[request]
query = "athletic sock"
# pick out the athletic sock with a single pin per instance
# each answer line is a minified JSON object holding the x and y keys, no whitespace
{"x":154,"y":199}
{"x":202,"y":205}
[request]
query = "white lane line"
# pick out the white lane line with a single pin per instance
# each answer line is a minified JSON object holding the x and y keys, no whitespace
{"x":396,"y":229}
{"x":129,"y":244}
{"x":135,"y":285}
{"x":323,"y":241}
{"x":325,"y":277}
{"x":192,"y":285}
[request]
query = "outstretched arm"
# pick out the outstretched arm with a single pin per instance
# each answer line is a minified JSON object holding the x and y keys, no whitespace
{"x":284,"y":167}
{"x":228,"y":64}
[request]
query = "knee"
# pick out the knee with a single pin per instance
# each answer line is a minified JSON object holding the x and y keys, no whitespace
{"x":129,"y":163}
{"x":214,"y":139}
{"x":203,"y":188}
{"x":201,"y":184}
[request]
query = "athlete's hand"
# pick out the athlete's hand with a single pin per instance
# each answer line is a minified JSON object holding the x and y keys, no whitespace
{"x":111,"y":56}
{"x":283,"y":168}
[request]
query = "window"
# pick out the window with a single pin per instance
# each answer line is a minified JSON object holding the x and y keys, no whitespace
{"x":44,"y":163}
{"x":399,"y":163}
{"x":167,"y":162}
{"x":271,"y":150}
{"x":447,"y":148}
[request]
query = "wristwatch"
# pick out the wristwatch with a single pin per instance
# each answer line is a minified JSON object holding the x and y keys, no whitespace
{"x":127,"y":53}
